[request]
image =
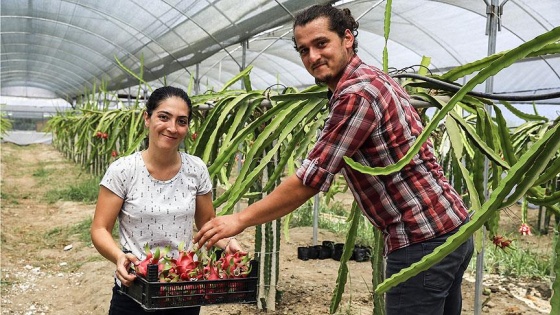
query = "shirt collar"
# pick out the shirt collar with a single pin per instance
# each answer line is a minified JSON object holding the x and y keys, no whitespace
{"x":354,"y":63}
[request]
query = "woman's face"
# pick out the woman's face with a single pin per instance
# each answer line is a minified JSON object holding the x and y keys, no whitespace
{"x":168,"y":124}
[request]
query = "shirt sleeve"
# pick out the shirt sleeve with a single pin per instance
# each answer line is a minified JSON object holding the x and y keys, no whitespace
{"x":205,"y":184}
{"x":348,"y":126}
{"x":114,"y":178}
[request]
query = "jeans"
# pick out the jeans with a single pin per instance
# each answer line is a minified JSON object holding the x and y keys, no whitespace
{"x":123,"y":305}
{"x":436,"y":291}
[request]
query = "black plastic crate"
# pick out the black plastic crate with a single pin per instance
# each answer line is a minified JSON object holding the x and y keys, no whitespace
{"x":154,"y":296}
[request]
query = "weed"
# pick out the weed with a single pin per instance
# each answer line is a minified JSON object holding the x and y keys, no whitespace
{"x":85,"y":191}
{"x":82,"y":230}
{"x":8,"y":198}
{"x":518,"y":262}
{"x":42,"y":172}
{"x":79,"y":231}
{"x":6,"y":283}
{"x":57,"y":231}
{"x":75,"y":266}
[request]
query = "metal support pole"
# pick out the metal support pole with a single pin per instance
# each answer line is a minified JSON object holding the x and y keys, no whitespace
{"x":493,"y":15}
{"x":239,"y":155}
{"x":197,"y":79}
{"x":316,"y":203}
{"x":244,"y":46}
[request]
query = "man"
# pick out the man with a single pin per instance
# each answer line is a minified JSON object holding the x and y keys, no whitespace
{"x":371,"y":121}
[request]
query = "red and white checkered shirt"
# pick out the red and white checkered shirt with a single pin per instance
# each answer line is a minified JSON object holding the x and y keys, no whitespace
{"x":371,"y":121}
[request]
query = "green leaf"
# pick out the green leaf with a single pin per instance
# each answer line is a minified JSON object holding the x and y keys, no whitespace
{"x":138,"y":77}
{"x":467,"y":69}
{"x":518,"y":180}
{"x":277,"y":130}
{"x":243,"y":75}
{"x":555,"y":301}
{"x":355,"y":214}
{"x":505,"y":137}
{"x":504,"y":61}
{"x":549,"y":200}
{"x":522,"y":115}
{"x":551,"y":172}
{"x":386,"y":31}
{"x":456,"y":143}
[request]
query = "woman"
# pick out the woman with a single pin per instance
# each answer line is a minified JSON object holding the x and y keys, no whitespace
{"x":156,"y":195}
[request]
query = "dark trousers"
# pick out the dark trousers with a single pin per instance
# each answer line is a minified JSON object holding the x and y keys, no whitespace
{"x":436,"y":291}
{"x":124,"y":305}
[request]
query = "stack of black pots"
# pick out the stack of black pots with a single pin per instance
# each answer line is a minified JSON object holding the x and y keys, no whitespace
{"x":329,"y":249}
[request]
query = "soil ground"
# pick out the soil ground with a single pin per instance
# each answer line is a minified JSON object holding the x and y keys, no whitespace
{"x":42,"y":273}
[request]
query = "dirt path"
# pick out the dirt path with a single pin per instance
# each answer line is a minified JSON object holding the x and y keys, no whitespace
{"x":40,"y":277}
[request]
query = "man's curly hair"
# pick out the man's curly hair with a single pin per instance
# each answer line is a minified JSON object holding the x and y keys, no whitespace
{"x":340,"y":20}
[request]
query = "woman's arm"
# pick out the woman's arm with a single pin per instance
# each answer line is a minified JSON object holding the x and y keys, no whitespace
{"x":106,"y":212}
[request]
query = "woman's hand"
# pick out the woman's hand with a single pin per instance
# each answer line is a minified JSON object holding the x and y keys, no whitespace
{"x":233,"y":246}
{"x":123,"y":266}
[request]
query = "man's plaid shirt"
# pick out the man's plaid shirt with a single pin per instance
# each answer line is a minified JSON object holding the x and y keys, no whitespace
{"x":371,"y":121}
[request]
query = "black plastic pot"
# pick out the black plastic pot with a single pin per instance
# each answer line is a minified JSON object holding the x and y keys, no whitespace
{"x":320,"y":251}
{"x":325,"y":252}
{"x":314,"y":251}
{"x":329,"y":244}
{"x":303,"y":253}
{"x":338,"y":249}
{"x":361,"y":253}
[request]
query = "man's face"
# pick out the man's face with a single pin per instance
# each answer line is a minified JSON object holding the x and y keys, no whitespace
{"x":323,"y":53}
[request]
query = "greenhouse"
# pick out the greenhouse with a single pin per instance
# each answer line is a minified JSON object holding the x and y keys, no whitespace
{"x":483,"y":78}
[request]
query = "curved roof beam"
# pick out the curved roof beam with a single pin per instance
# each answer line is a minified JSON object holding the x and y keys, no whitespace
{"x":273,"y":57}
{"x":538,"y":18}
{"x":153,"y":40}
{"x":161,"y":34}
{"x":206,"y":47}
{"x":38,"y":56}
{"x":93,"y":75}
{"x":535,"y":17}
{"x":208,"y":33}
{"x":106,"y":15}
{"x":40,"y":77}
{"x":436,"y":40}
{"x":74,"y":66}
{"x":281,"y":37}
{"x":106,"y":40}
{"x":87,"y":61}
{"x":11,"y":65}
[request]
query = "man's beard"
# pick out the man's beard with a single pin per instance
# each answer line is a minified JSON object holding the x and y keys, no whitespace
{"x":323,"y":82}
{"x":320,"y":83}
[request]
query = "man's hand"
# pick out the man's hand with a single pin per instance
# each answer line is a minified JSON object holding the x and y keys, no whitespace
{"x":217,"y":229}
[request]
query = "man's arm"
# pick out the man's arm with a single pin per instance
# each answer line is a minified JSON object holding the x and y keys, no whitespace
{"x":287,"y":197}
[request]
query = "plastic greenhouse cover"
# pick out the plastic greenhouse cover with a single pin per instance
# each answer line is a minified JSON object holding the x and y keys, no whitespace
{"x":65,"y":48}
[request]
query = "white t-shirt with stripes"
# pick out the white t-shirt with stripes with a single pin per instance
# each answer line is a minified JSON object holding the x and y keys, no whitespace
{"x":156,"y":212}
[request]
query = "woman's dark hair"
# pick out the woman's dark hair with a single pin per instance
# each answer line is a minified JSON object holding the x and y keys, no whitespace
{"x":340,"y":20}
{"x":161,"y":94}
